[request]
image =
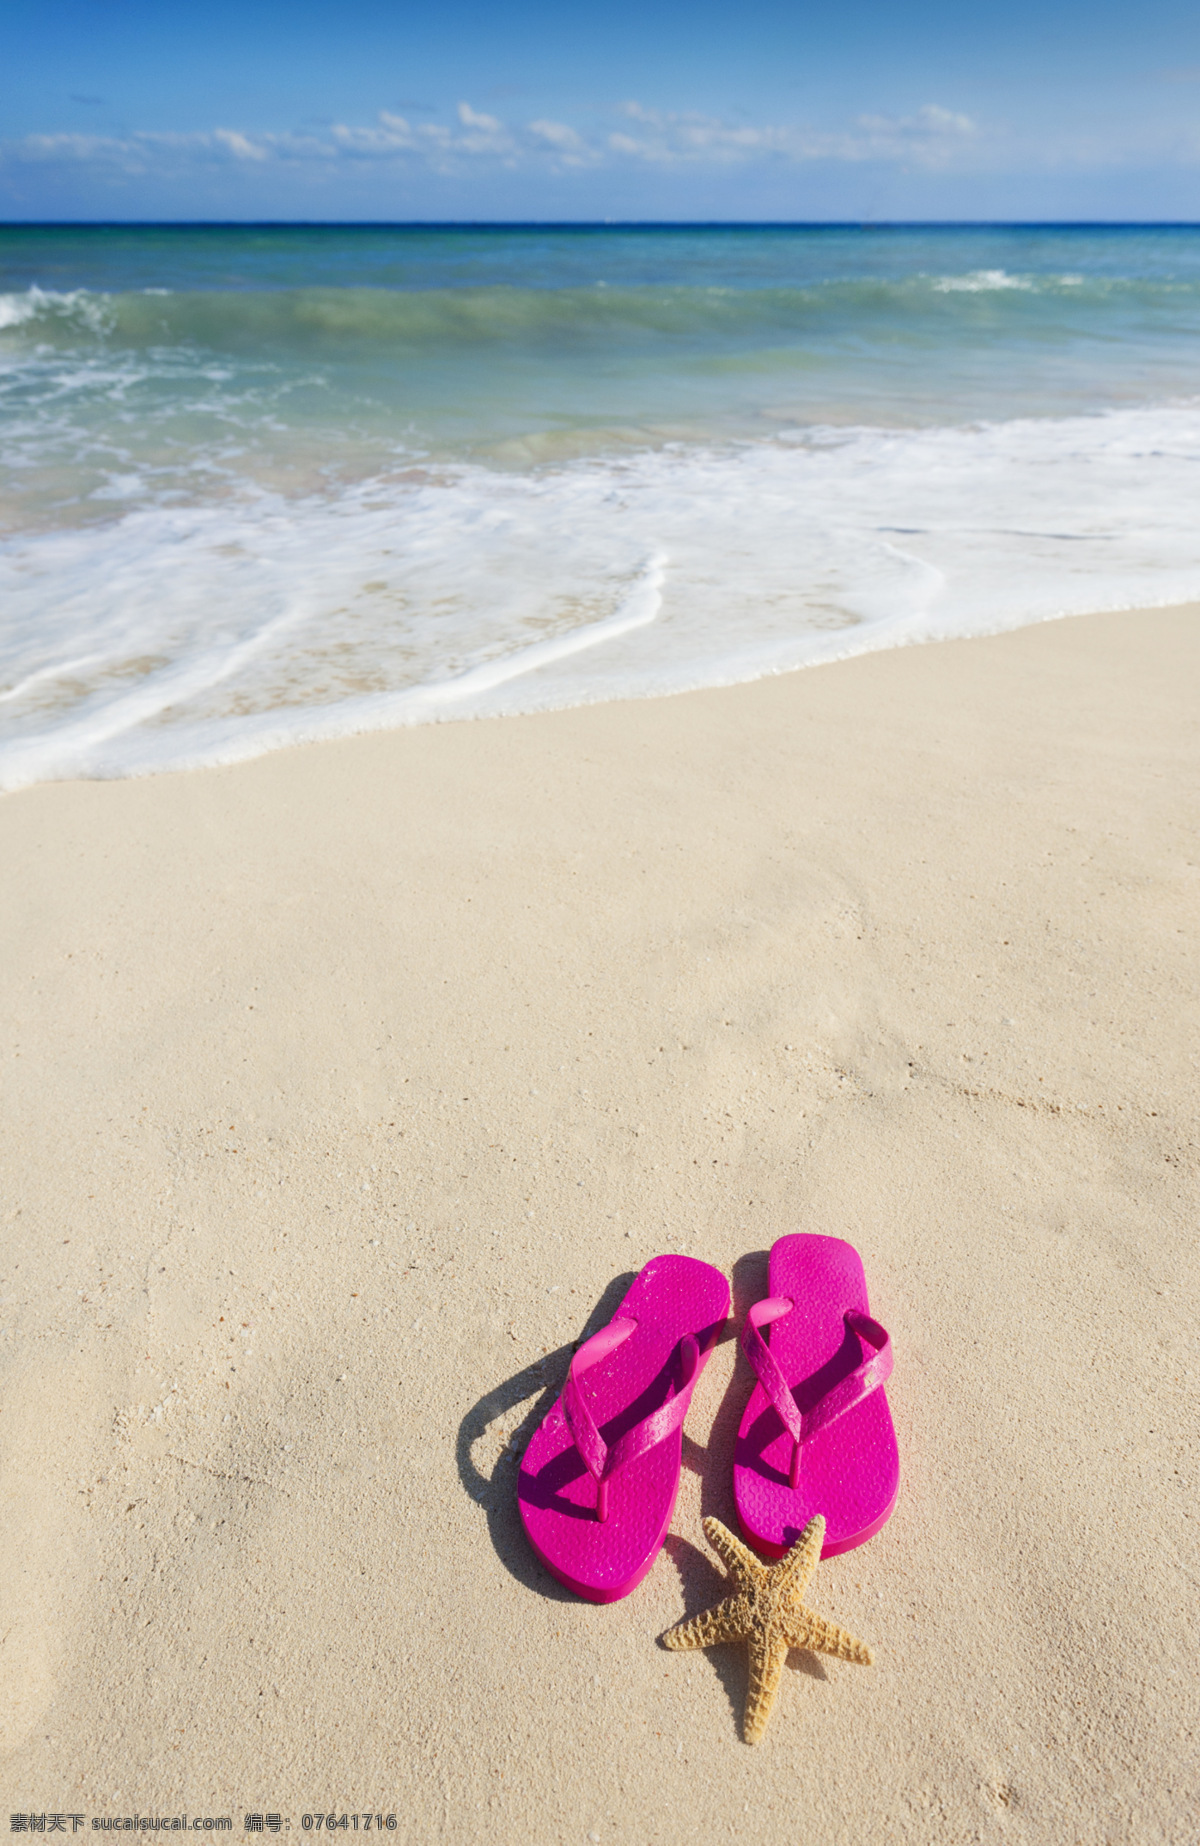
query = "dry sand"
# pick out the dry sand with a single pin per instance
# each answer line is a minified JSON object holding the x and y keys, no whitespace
{"x":344,"y":1089}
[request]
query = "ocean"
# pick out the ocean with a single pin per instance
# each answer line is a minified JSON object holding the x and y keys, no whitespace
{"x":261,"y":484}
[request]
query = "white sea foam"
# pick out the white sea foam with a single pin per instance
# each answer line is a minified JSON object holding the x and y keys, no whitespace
{"x":79,"y":305}
{"x":16,"y":310}
{"x":208,"y":633}
{"x":984,"y":282}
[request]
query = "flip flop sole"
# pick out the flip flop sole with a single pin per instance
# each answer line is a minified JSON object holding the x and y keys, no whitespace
{"x":672,"y":1297}
{"x":850,"y":1469}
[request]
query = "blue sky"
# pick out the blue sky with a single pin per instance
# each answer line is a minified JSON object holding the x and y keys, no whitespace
{"x":127,"y":109}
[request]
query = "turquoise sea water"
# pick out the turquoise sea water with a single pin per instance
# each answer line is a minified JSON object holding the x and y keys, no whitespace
{"x":268,"y":482}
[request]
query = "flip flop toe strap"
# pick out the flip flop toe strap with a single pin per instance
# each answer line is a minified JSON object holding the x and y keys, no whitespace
{"x":601,"y":1459}
{"x":843,"y":1396}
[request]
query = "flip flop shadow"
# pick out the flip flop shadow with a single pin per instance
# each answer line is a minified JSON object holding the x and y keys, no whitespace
{"x":538,"y":1384}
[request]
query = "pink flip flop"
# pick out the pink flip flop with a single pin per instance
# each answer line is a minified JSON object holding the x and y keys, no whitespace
{"x":817,"y":1435}
{"x":599,"y":1478}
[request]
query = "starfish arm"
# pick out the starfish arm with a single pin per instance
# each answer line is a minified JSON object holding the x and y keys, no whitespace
{"x":767,"y":1655}
{"x":728,"y":1621}
{"x":809,"y":1631}
{"x":803,"y":1558}
{"x":738,"y":1559}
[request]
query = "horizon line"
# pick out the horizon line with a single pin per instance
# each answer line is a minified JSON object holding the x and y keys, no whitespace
{"x":606,"y":224}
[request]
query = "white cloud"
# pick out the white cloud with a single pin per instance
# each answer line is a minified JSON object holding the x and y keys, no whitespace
{"x":392,"y":136}
{"x":928,"y":137}
{"x":470,"y":118}
{"x":239,"y":145}
{"x":134,"y":153}
{"x":671,"y":138}
{"x":930,"y":120}
{"x":564,"y":146}
{"x":71,"y":149}
{"x":933,"y":137}
{"x":556,"y":134}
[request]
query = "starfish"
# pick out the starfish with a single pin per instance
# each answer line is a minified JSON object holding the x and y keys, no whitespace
{"x":768,"y":1611}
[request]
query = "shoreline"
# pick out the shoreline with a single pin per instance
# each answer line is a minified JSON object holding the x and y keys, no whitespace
{"x":345,"y":1085}
{"x":474,"y":694}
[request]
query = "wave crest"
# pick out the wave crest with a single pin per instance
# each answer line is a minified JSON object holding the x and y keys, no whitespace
{"x":316,"y":319}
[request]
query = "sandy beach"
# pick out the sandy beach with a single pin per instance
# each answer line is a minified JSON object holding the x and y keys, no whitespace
{"x":345,"y":1089}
